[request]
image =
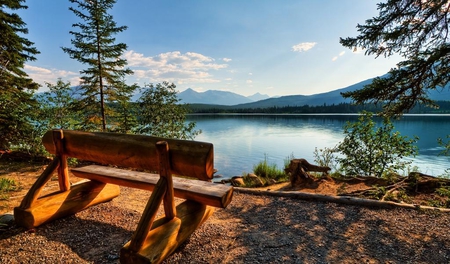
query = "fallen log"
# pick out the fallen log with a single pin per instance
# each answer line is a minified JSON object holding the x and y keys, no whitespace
{"x":339,"y":199}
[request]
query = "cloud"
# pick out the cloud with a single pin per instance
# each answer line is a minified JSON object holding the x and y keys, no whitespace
{"x":249,"y":81}
{"x":174,"y":66}
{"x":340,"y":55}
{"x":250,"y":73}
{"x":304,"y":46}
{"x":42,"y":75}
{"x":226,"y":59}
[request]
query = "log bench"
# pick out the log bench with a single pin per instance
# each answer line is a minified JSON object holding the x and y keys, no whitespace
{"x":161,"y":158}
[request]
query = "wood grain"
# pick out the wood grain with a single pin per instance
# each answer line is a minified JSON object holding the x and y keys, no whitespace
{"x":187,"y":157}
{"x":213,"y":194}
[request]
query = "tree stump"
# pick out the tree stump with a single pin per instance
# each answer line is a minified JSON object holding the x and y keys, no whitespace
{"x":298,"y":171}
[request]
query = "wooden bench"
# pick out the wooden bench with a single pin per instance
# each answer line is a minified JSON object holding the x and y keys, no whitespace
{"x":153,"y":240}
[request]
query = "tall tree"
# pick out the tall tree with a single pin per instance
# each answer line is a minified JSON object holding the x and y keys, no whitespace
{"x":16,"y":88}
{"x":417,"y":30}
{"x":94,"y":45}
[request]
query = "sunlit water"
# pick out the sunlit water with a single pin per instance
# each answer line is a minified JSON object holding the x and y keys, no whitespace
{"x":241,"y":141}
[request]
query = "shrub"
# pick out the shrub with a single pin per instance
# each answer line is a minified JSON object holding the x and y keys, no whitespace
{"x":368,"y":150}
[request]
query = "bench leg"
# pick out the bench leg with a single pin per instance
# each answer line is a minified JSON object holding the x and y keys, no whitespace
{"x":167,"y":234}
{"x":60,"y":204}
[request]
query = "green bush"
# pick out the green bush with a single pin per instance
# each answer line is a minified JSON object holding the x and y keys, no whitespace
{"x":368,"y":150}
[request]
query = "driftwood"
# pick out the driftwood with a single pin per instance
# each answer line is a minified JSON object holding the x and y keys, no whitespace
{"x":298,"y":171}
{"x":414,"y":183}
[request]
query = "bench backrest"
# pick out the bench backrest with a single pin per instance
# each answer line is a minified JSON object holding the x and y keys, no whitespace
{"x":187,"y":158}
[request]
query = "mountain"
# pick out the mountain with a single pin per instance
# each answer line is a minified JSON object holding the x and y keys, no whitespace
{"x":214,"y":97}
{"x":258,"y":97}
{"x":333,"y":97}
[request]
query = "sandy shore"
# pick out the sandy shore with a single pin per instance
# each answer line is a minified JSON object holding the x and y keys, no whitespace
{"x":253,"y":229}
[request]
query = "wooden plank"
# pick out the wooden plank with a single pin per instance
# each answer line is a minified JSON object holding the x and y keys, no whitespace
{"x":164,"y":171}
{"x":60,"y":204}
{"x":63,"y":169}
{"x":187,"y":157}
{"x":213,"y":194}
{"x":148,"y":216}
{"x":166,"y":235}
{"x":35,"y":190}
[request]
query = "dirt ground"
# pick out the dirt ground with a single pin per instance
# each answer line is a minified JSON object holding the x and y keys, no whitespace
{"x":252,"y":229}
{"x":26,"y":173}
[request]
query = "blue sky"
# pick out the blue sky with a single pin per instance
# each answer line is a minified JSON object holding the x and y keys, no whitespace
{"x":243,"y":46}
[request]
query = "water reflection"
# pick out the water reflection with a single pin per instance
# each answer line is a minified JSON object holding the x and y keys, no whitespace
{"x":240,"y":141}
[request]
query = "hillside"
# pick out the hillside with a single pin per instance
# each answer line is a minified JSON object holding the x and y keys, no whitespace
{"x":213,"y":97}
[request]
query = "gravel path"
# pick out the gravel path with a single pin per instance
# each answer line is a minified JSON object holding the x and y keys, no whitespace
{"x":253,"y":229}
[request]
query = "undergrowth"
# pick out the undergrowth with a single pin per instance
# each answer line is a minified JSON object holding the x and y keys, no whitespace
{"x":267,"y":173}
{"x":6,"y":186}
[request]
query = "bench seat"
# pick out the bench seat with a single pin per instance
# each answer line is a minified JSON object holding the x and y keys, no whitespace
{"x":213,"y":194}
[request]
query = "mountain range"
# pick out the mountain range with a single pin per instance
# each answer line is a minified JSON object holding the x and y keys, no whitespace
{"x":214,"y":97}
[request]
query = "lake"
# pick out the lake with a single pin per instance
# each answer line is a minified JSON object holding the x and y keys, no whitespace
{"x":241,"y":141}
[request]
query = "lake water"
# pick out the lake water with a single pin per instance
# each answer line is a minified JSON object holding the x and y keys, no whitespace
{"x":241,"y":141}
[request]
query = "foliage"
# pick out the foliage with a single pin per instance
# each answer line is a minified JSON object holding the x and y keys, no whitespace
{"x":418,"y":31}
{"x":159,"y":113}
{"x":125,"y":114}
{"x":16,"y":88}
{"x":6,"y":186}
{"x":57,"y":107}
{"x":444,"y":191}
{"x":102,"y":82}
{"x":370,"y":151}
{"x":269,"y":171}
{"x":325,"y":157}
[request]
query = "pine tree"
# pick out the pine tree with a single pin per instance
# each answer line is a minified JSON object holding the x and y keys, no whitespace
{"x":417,"y":30}
{"x":16,"y":88}
{"x":102,"y":82}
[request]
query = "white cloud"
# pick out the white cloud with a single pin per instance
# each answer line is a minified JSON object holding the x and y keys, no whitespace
{"x":340,"y":55}
{"x":226,"y":59}
{"x":249,"y":81}
{"x":250,"y":73}
{"x":189,"y":67}
{"x":304,"y":46}
{"x":42,"y":75}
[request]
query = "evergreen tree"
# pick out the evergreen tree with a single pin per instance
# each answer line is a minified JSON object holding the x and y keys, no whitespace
{"x":102,"y":82}
{"x":16,"y":88}
{"x":417,"y":30}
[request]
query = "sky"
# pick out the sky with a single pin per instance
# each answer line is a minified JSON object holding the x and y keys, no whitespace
{"x":272,"y":47}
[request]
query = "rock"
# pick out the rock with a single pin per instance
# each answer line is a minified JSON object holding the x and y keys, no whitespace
{"x":254,"y":180}
{"x":7,"y":219}
{"x":252,"y":175}
{"x":237,"y":181}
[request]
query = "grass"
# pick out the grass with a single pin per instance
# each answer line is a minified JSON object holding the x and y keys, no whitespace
{"x":6,"y":186}
{"x":267,"y":173}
